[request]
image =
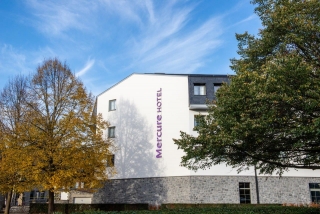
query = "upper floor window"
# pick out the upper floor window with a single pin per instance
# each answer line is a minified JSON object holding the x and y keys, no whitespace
{"x":315,"y":192}
{"x":199,"y":89}
{"x":216,"y":86}
{"x":112,"y":105}
{"x":112,"y":132}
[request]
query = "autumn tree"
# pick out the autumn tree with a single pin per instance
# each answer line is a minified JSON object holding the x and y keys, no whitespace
{"x":59,"y":141}
{"x":269,"y":115}
{"x":15,"y":161}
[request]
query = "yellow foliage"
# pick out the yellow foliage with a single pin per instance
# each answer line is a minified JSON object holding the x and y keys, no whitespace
{"x":49,"y":137}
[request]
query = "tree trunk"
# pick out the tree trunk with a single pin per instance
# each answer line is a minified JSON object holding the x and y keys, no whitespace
{"x":8,"y":202}
{"x":51,"y":202}
{"x":257,"y":184}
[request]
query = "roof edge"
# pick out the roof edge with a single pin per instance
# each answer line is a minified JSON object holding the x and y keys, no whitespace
{"x":191,"y":75}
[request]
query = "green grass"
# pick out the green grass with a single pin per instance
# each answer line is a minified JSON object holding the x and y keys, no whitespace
{"x":221,"y":210}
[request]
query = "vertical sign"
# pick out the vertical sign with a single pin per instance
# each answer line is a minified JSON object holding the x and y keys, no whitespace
{"x":159,"y":124}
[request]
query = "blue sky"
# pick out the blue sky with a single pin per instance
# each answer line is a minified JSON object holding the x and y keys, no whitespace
{"x":103,"y":41}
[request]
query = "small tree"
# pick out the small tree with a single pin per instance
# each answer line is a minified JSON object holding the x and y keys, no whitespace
{"x":15,"y":160}
{"x":66,"y":139}
{"x":269,"y":115}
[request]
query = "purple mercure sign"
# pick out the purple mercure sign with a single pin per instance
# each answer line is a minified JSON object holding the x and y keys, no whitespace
{"x":159,"y":124}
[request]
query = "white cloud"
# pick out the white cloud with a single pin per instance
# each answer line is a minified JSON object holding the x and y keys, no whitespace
{"x":251,"y":17}
{"x":168,"y":23}
{"x":12,"y":61}
{"x":125,"y":36}
{"x":169,"y":46}
{"x":56,"y":17}
{"x":130,"y":11}
{"x":86,"y":68}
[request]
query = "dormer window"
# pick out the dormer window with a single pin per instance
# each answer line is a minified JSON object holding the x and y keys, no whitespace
{"x":199,"y":89}
{"x":216,"y":86}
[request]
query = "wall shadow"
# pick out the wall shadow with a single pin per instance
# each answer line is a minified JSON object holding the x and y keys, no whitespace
{"x":136,"y":165}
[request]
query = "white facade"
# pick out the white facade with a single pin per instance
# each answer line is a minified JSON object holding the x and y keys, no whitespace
{"x":151,"y":110}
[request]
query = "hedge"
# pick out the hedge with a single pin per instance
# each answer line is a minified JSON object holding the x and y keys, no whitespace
{"x":36,"y":208}
{"x":173,"y":209}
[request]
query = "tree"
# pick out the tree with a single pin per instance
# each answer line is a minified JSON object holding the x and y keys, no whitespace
{"x":269,"y":115}
{"x":62,"y":140}
{"x":15,"y":161}
{"x":67,"y":139}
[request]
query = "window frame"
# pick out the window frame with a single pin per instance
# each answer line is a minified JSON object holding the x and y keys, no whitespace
{"x":111,"y":134}
{"x":216,"y":87}
{"x":314,"y":187}
{"x":200,"y":85}
{"x":246,"y":195}
{"x":110,"y":160}
{"x":195,"y":123}
{"x":112,"y":107}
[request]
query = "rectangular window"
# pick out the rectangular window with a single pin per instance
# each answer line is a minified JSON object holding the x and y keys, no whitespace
{"x":197,"y":119}
{"x":110,"y":161}
{"x":244,"y":192}
{"x":216,"y":87}
{"x":199,"y":89}
{"x":111,"y":132}
{"x":112,"y":105}
{"x":57,"y":196}
{"x":42,"y":194}
{"x":315,"y":192}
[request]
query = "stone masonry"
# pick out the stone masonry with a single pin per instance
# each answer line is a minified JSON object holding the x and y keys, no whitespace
{"x":204,"y":189}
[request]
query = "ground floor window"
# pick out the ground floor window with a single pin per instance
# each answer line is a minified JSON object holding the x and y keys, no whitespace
{"x":315,"y":192}
{"x":244,"y":192}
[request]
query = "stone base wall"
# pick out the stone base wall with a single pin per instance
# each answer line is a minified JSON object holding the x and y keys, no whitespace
{"x":204,"y":189}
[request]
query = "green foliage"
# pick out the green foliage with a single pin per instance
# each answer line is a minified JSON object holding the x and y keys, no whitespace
{"x":86,"y":208}
{"x":179,"y":208}
{"x":224,"y":210}
{"x":269,"y":115}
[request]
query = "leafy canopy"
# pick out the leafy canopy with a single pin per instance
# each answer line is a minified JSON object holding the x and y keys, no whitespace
{"x":66,"y":138}
{"x":15,"y":160}
{"x":269,"y":115}
{"x":50,"y":138}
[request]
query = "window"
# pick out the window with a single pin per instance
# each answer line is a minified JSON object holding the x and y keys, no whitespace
{"x":216,"y":86}
{"x":199,"y":89}
{"x":110,"y":161}
{"x":112,"y":105}
{"x":315,"y":192}
{"x":197,"y":119}
{"x":39,"y":195}
{"x":57,"y":196}
{"x":79,"y":185}
{"x":244,"y":192}
{"x":111,"y":132}
{"x":42,"y":194}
